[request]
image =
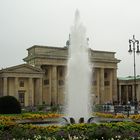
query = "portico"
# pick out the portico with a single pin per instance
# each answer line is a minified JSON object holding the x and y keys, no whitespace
{"x":20,"y":81}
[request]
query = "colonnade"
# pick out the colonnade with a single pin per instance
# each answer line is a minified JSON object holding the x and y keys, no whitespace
{"x":106,"y":90}
{"x":126,"y":92}
{"x":55,"y":90}
{"x":102,"y":94}
{"x":32,"y":88}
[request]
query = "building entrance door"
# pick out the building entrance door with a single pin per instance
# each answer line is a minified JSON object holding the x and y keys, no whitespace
{"x":21,"y":97}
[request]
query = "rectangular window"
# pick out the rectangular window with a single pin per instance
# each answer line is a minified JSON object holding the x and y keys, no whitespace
{"x":21,"y":83}
{"x":46,"y":82}
{"x":105,"y":75}
{"x":46,"y":72}
{"x":61,"y":72}
{"x":107,"y":83}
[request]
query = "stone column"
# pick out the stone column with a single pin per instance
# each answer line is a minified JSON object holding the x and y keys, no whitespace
{"x":5,"y":86}
{"x":30,"y":96}
{"x":127,"y":94}
{"x":49,"y":94}
{"x":16,"y":88}
{"x":97,"y":96}
{"x":114,"y":86}
{"x":40,"y":91}
{"x":110,"y":80}
{"x":54,"y":85}
{"x":133,"y":93}
{"x":120,"y":94}
{"x":138,"y":91}
{"x":102,"y":85}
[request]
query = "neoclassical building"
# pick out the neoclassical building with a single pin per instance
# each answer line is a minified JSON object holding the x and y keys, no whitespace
{"x":41,"y":80}
{"x":126,"y":87}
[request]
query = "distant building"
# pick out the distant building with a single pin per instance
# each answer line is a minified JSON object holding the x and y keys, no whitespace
{"x":126,"y":89}
{"x":42,"y":79}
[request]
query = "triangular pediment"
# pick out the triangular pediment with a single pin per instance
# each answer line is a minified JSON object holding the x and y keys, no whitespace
{"x":25,"y":68}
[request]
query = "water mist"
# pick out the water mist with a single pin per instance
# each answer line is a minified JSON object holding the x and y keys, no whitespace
{"x":79,"y":73}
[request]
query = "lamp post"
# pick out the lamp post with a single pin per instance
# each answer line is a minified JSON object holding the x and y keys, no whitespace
{"x":134,"y":47}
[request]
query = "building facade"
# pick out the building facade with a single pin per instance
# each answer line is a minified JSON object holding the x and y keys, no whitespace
{"x":126,"y":91}
{"x":24,"y":82}
{"x":41,"y":80}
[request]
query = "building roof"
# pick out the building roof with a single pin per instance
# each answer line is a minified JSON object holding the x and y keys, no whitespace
{"x":22,"y":68}
{"x":129,"y":78}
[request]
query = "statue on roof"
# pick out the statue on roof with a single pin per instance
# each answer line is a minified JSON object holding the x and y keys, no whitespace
{"x":68,"y":42}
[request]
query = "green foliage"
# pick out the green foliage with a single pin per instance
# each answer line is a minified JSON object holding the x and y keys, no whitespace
{"x":41,"y":107}
{"x":98,"y":108}
{"x":108,"y":131}
{"x":9,"y":105}
{"x":54,"y":108}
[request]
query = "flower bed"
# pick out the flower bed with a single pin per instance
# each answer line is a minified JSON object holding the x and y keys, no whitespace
{"x":118,"y":116}
{"x":107,"y":131}
{"x":10,"y":129}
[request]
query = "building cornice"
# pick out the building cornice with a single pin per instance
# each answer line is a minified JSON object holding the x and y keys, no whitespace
{"x":61,"y":53}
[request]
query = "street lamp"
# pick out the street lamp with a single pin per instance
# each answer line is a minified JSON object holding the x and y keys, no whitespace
{"x":134,"y":47}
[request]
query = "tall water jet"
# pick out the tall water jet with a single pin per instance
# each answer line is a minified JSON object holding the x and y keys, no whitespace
{"x":79,"y":73}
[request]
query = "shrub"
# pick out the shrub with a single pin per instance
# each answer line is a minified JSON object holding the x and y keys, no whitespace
{"x":98,"y":108}
{"x":104,"y":131}
{"x":9,"y":105}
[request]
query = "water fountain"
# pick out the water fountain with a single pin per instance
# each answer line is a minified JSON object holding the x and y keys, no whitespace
{"x":78,"y":106}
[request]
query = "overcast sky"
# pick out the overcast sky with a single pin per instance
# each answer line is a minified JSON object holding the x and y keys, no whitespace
{"x":109,"y":24}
